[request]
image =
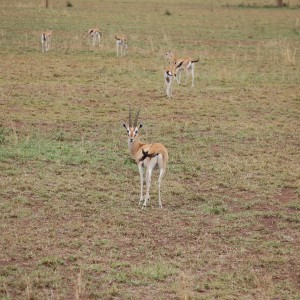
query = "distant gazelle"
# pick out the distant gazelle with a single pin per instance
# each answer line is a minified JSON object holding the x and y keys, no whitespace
{"x":46,"y":40}
{"x":182,"y":64}
{"x":122,"y":44}
{"x":169,"y":75}
{"x":146,"y":155}
{"x":95,"y":35}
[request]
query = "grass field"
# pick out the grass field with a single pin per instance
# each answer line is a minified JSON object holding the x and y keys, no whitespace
{"x":70,"y":223}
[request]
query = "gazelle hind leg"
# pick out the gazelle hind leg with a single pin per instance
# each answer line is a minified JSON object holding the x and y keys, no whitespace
{"x":193,"y":75}
{"x":161,"y":174}
{"x":166,"y":88}
{"x":191,"y":70}
{"x":151,"y":164}
{"x":187,"y":73}
{"x":43,"y":43}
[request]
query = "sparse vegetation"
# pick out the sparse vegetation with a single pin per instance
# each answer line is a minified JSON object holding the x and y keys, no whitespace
{"x":167,"y":12}
{"x":70,"y":223}
{"x":69,"y":4}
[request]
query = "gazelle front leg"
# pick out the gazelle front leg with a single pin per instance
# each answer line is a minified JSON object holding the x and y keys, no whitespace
{"x":140,"y":166}
{"x":178,"y":76}
{"x":167,"y":86}
{"x":169,"y":89}
{"x":168,"y":93}
{"x":148,"y":184}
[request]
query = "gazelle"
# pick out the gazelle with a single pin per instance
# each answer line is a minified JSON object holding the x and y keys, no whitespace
{"x":46,"y":40}
{"x":146,"y":155}
{"x":122,"y":44}
{"x":183,"y":64}
{"x":95,"y":35}
{"x":169,"y":75}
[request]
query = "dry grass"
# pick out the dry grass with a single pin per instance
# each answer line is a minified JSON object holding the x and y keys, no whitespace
{"x":70,"y":223}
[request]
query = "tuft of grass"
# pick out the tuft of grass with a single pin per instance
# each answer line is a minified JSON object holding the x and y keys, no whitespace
{"x":158,"y":271}
{"x":51,"y":261}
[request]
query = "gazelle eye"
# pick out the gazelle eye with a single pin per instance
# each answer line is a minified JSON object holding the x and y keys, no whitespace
{"x":136,"y":132}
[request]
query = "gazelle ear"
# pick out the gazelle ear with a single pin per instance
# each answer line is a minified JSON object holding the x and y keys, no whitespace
{"x":125,"y":125}
{"x":141,"y":125}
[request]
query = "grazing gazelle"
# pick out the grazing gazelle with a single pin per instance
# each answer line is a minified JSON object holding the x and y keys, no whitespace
{"x":121,"y":43}
{"x":146,"y":155}
{"x":95,"y":35}
{"x":46,"y":40}
{"x":182,"y":64}
{"x":169,"y":75}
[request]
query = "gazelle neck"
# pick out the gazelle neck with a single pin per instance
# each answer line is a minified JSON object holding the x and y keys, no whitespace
{"x":135,"y":145}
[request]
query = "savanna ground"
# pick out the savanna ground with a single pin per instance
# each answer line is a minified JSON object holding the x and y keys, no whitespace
{"x":70,"y":223}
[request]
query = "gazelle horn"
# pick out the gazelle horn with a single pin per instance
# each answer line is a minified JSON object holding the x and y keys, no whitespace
{"x":130,"y":117}
{"x":136,"y":117}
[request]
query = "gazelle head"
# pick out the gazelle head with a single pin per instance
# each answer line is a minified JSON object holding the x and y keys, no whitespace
{"x":132,"y":128}
{"x":169,"y":55}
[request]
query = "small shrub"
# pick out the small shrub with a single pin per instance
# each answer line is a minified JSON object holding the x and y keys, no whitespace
{"x":69,"y":4}
{"x":167,"y":12}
